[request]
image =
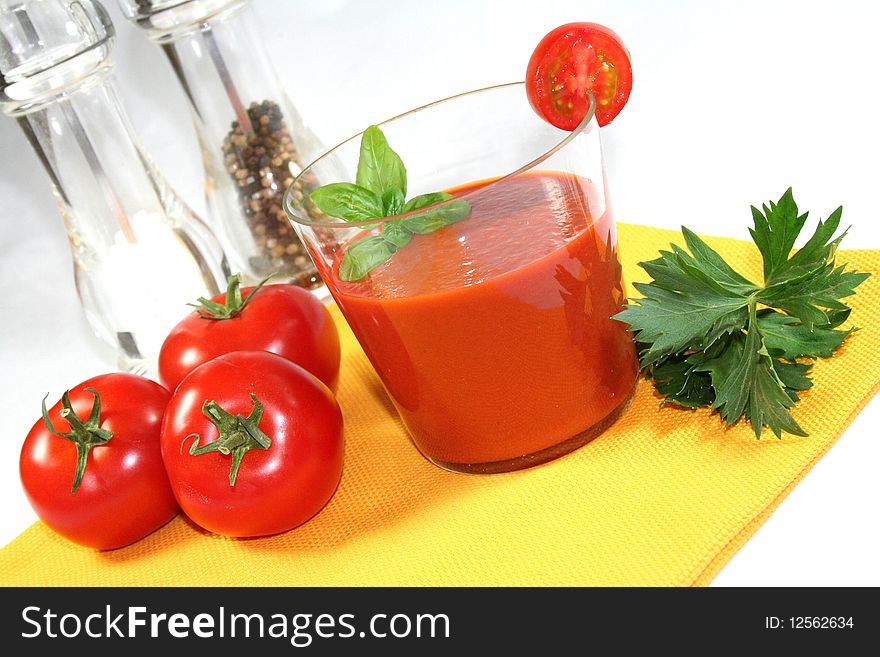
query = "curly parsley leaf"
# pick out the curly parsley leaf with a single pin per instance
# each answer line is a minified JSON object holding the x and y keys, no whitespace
{"x":703,"y":339}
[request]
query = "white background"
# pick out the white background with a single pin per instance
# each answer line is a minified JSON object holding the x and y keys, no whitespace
{"x":732,"y":103}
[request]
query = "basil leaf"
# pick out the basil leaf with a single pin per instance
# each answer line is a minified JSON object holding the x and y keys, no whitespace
{"x":379,"y":192}
{"x":396,"y":233}
{"x":380,"y":169}
{"x":392,"y":202}
{"x":364,"y":255}
{"x":348,"y":202}
{"x":437,"y":217}
{"x":424,"y":200}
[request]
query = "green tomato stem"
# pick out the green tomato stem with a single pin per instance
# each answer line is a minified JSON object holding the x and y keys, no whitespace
{"x":232,"y":305}
{"x":84,"y":435}
{"x":238,"y":434}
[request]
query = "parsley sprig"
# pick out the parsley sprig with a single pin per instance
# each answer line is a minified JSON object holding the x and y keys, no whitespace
{"x":380,"y":191}
{"x":708,"y":336}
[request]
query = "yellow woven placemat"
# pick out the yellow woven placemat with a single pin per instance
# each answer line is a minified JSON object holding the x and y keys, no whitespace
{"x":664,"y":498}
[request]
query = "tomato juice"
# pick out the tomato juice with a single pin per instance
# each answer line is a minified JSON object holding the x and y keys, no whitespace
{"x":493,"y":335}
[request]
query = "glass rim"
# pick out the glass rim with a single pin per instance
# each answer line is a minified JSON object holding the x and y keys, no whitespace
{"x":336,"y":222}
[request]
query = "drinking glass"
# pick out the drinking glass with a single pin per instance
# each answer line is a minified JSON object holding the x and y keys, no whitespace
{"x":492,"y":335}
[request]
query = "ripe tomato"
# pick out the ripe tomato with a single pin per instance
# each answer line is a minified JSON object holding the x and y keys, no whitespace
{"x":123,"y":493}
{"x":252,"y":444}
{"x":283,"y":319}
{"x":571,"y":60}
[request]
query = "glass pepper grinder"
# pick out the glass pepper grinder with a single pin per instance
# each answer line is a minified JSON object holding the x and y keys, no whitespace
{"x":252,"y":139}
{"x":139,"y":254}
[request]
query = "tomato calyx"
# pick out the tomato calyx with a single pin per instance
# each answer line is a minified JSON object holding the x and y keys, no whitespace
{"x":238,"y":434}
{"x":84,"y":435}
{"x":233,"y":304}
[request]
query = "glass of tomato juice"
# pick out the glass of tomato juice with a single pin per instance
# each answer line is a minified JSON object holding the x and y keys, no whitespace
{"x":493,"y":335}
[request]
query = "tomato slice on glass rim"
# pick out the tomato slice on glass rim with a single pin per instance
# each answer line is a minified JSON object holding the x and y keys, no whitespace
{"x":570,"y":61}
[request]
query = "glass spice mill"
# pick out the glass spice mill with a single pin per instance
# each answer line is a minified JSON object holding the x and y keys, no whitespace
{"x":253,"y":142}
{"x":139,"y":253}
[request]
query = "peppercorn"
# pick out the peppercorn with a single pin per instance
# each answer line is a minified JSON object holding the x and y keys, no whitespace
{"x":262,"y":164}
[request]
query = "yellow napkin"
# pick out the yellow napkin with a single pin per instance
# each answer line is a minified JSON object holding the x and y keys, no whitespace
{"x":665,"y":497}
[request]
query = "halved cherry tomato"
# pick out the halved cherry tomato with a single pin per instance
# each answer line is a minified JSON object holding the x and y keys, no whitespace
{"x":571,"y":60}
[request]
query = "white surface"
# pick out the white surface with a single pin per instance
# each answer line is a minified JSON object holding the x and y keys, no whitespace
{"x":732,"y":103}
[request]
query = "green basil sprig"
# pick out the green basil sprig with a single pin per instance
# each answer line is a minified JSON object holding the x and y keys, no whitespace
{"x":380,"y":191}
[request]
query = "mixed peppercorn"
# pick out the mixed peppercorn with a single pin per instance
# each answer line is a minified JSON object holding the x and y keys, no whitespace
{"x":262,"y":162}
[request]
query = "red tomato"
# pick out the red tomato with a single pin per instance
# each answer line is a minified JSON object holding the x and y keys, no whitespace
{"x":571,"y":60}
{"x":124,"y":492}
{"x":278,"y":458}
{"x":283,"y":319}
